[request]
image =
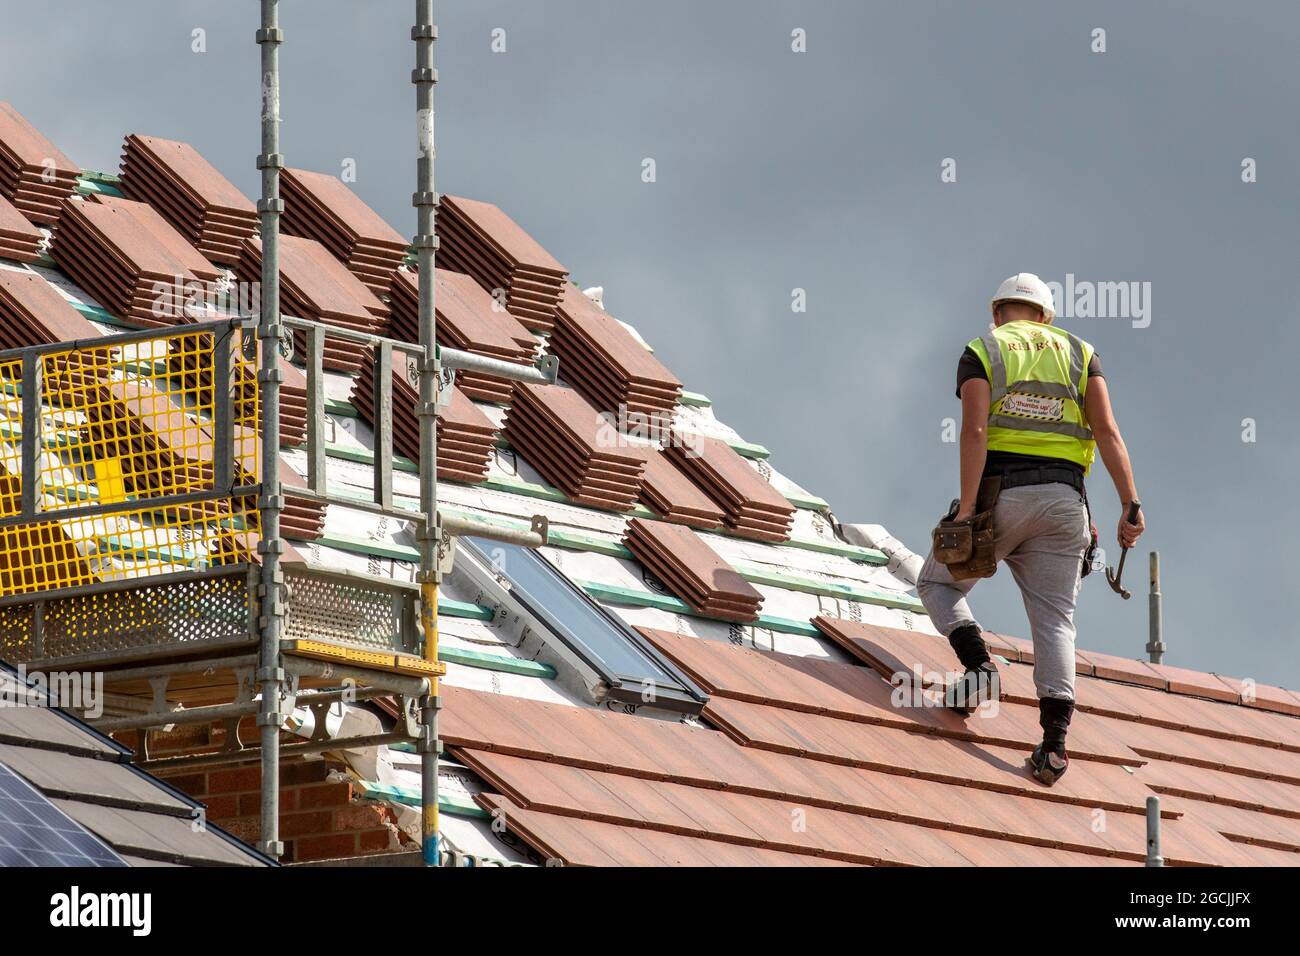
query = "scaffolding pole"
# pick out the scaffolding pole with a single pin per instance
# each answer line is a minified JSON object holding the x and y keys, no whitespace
{"x":424,"y":76}
{"x":270,"y":675}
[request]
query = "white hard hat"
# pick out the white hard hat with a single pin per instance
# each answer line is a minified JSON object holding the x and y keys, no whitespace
{"x":1026,"y":287}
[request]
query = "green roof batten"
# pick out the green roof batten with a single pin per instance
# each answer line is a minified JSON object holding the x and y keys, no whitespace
{"x":495,"y":662}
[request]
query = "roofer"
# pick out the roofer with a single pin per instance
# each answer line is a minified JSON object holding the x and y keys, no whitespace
{"x":1034,"y":409}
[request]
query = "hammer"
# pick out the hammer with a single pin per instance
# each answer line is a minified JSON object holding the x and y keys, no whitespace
{"x":1112,"y":577}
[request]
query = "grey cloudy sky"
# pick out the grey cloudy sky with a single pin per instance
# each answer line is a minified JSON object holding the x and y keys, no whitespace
{"x":821,"y":171}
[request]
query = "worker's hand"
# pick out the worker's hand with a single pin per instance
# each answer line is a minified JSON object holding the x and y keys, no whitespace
{"x":1129,"y":533}
{"x":964,"y":514}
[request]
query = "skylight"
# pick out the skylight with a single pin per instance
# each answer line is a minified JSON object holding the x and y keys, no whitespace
{"x":636,"y":672}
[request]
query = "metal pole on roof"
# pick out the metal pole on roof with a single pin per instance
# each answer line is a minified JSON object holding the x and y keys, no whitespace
{"x":1155,"y":642}
{"x":424,"y":76}
{"x":269,"y":547}
{"x":1153,"y":832}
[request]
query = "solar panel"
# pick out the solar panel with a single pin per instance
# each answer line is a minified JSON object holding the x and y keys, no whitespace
{"x":34,"y":832}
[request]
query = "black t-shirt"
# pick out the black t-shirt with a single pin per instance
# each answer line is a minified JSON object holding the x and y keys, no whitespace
{"x":999,"y":462}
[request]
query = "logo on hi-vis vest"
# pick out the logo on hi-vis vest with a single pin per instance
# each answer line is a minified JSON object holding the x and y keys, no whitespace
{"x":1033,"y":406}
{"x":1038,"y":343}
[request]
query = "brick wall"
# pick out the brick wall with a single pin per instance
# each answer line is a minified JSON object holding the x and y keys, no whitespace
{"x":320,"y":818}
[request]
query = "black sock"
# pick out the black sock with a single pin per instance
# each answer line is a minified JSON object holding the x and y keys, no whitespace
{"x":1054,"y":717}
{"x":968,"y":642}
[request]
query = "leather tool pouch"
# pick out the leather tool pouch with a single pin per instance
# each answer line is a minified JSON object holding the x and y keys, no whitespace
{"x":966,"y":547}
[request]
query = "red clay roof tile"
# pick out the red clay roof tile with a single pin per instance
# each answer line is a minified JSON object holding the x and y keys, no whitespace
{"x":1180,"y":680}
{"x":1265,"y":696}
{"x":900,"y":808}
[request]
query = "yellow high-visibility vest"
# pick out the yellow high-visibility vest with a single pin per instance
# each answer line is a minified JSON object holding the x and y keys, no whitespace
{"x":1039,"y":375}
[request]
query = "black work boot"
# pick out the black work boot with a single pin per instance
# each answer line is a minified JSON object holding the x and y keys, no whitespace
{"x":980,"y":682}
{"x":1049,"y":760}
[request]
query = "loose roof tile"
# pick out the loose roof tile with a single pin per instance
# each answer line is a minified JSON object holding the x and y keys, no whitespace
{"x":32,"y":312}
{"x":193,"y":368}
{"x":127,"y":256}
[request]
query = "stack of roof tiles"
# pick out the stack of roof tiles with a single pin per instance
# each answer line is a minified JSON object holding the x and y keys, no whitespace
{"x":321,"y":207}
{"x":19,"y":239}
{"x":480,"y":240}
{"x":692,"y":570}
{"x":606,"y":363}
{"x":666,"y":489}
{"x":316,"y":286}
{"x":34,"y":175}
{"x":466,"y":320}
{"x":302,"y":519}
{"x":123,"y":253}
{"x":32,"y":312}
{"x":752,"y":507}
{"x":466,"y":437}
{"x":188,"y":191}
{"x":561,"y":435}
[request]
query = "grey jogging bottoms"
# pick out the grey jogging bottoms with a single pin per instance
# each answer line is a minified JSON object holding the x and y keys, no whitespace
{"x":1041,"y":532}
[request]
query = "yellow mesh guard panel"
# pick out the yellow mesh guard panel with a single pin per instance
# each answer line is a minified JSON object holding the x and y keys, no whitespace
{"x":126,"y":423}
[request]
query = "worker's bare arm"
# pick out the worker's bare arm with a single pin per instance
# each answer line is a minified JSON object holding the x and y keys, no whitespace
{"x":975,"y":398}
{"x":1114,"y":454}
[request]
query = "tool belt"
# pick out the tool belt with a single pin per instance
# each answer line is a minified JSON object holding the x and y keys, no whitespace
{"x":966,"y":547}
{"x":1017,"y":476}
